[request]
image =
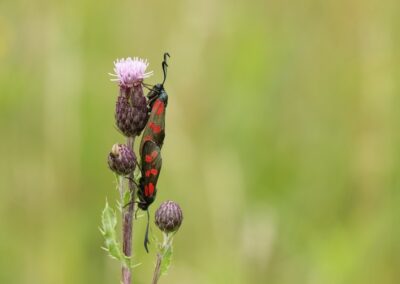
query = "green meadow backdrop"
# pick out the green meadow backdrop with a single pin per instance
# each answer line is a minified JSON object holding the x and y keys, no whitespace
{"x":282,"y":144}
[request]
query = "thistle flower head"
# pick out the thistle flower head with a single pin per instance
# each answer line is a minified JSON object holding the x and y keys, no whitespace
{"x":169,"y":217}
{"x":130,"y":72}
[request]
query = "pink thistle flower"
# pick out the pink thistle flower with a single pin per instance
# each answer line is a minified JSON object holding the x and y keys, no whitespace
{"x":130,"y":72}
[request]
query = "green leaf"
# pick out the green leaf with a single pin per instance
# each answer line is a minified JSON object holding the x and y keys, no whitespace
{"x":166,"y":260}
{"x":108,"y":230}
{"x":126,"y":198}
{"x":108,"y":219}
{"x":119,"y":207}
{"x":137,"y":175}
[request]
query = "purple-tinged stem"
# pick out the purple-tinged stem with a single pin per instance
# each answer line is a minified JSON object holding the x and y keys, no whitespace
{"x":127,"y":225}
{"x":157,"y":269}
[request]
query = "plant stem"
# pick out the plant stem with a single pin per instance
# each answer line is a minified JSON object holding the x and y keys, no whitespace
{"x":127,"y":225}
{"x":167,"y":245}
{"x":157,"y":269}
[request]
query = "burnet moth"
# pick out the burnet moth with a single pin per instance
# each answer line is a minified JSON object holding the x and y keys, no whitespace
{"x":150,"y":146}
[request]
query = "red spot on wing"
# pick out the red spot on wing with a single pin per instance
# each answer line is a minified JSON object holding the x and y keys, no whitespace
{"x":148,"y":158}
{"x":151,"y":172}
{"x":156,"y":128}
{"x":151,"y":189}
{"x":147,"y":138}
{"x":154,"y":154}
{"x":160,"y":108}
{"x":146,"y":190}
{"x":157,"y":104}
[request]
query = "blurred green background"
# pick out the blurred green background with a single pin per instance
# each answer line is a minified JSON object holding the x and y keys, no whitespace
{"x":282,"y":142}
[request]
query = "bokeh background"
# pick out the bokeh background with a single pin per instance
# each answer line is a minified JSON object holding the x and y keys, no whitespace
{"x":282,"y":139}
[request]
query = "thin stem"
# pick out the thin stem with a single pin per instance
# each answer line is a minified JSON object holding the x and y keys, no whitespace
{"x":157,"y":269}
{"x":167,"y":243}
{"x":127,"y":226}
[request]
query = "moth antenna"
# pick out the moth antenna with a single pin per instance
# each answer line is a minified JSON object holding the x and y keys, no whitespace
{"x":146,"y":236}
{"x":164,"y":65}
{"x":166,"y":54}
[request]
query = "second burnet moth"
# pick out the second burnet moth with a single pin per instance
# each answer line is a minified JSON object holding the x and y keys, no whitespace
{"x":151,"y":167}
{"x":150,"y":146}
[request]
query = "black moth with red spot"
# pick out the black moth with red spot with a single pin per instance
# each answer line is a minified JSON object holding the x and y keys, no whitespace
{"x":150,"y":146}
{"x":152,"y":141}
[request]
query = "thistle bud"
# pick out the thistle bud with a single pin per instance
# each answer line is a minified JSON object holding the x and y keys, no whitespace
{"x":131,"y":112}
{"x":140,"y":111}
{"x":169,"y":217}
{"x":122,"y":159}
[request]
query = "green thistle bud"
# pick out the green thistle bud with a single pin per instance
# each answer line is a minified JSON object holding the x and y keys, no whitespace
{"x":169,"y":217}
{"x":122,"y":159}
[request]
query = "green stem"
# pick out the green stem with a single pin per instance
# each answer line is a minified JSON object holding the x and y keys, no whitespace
{"x":167,"y":243}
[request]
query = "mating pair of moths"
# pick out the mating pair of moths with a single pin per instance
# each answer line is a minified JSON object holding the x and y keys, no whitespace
{"x":150,"y":146}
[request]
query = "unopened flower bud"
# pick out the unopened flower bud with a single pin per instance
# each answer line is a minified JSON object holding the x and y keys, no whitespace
{"x":169,"y":217}
{"x":131,"y":112}
{"x":140,"y":110}
{"x":122,"y":159}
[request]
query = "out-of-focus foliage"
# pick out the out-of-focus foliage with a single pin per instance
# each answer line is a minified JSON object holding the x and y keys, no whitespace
{"x":282,"y":143}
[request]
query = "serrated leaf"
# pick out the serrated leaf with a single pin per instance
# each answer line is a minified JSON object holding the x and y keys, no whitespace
{"x":108,"y":219}
{"x":166,"y":260}
{"x":108,"y":230}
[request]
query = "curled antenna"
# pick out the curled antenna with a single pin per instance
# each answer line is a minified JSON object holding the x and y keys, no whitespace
{"x":164,"y":65}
